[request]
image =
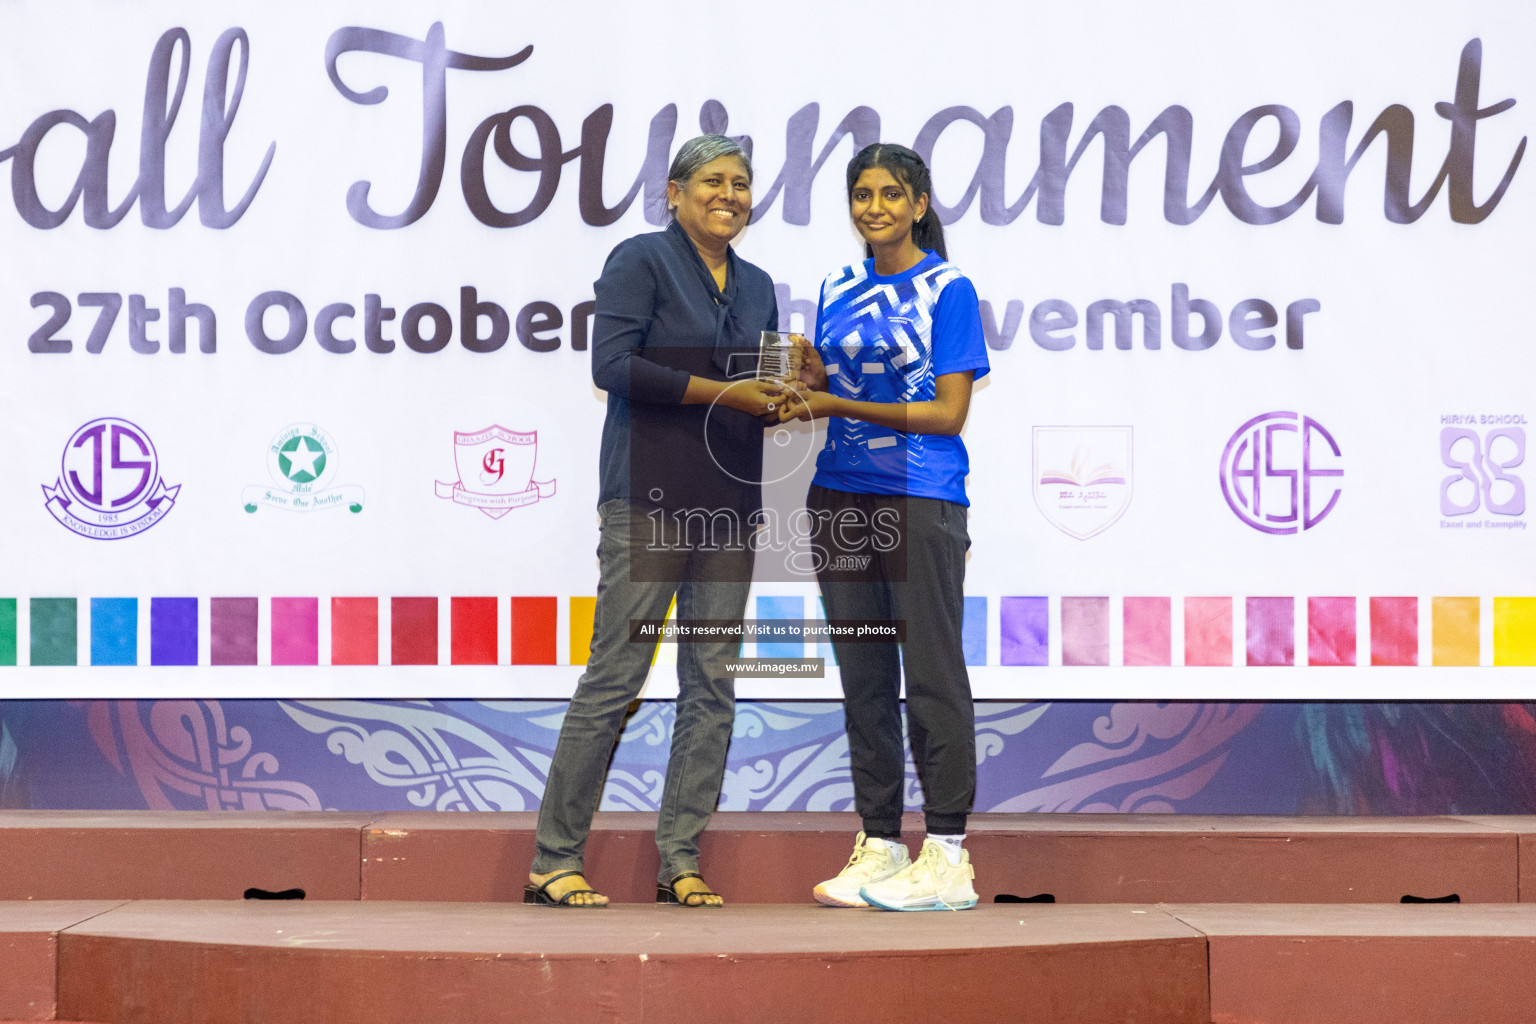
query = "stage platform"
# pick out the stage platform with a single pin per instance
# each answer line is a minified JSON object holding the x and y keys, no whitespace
{"x":212,"y":962}
{"x":138,"y":918}
{"x":186,"y":855}
{"x":763,"y":857}
{"x":1077,"y":858}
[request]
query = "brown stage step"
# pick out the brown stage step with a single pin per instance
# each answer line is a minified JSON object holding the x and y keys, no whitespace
{"x":1342,"y":964}
{"x":178,"y":854}
{"x":29,"y":934}
{"x":406,"y":963}
{"x":760,"y":857}
{"x":777,"y":857}
{"x":1524,"y":828}
{"x":161,"y":962}
{"x":1110,"y":858}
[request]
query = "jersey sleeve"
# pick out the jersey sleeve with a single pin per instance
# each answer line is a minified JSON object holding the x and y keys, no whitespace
{"x":819,"y":332}
{"x":958,"y":341}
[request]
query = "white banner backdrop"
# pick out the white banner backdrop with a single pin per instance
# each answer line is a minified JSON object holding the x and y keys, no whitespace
{"x":1250,"y":281}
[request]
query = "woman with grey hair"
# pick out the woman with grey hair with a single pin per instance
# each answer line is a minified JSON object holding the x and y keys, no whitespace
{"x":677,"y":313}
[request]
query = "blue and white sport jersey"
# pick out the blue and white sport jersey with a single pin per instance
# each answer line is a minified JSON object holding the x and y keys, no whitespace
{"x":886,"y":339}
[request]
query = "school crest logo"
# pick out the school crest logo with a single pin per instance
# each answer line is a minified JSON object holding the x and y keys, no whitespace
{"x":1082,"y":477}
{"x":496,"y":468}
{"x":301,"y":460}
{"x":109,"y":484}
{"x":1484,"y":460}
{"x":1282,"y":473}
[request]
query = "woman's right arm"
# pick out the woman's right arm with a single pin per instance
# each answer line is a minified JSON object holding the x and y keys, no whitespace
{"x":626,"y":304}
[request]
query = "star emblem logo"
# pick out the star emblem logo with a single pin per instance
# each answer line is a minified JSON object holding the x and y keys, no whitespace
{"x":301,"y":459}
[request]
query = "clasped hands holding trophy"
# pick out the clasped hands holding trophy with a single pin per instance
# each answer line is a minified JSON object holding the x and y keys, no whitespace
{"x":792,"y":377}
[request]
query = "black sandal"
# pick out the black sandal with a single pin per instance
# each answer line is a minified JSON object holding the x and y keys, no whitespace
{"x":539,"y":894}
{"x":668,"y":893}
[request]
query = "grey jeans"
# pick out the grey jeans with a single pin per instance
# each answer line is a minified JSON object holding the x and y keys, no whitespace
{"x":708,"y":585}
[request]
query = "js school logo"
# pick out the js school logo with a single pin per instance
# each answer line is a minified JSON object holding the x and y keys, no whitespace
{"x":109,"y":484}
{"x":496,"y":471}
{"x":302,"y":462}
{"x":1082,"y":476}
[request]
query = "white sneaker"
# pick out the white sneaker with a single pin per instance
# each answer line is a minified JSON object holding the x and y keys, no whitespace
{"x":929,"y":883}
{"x":872,"y":861}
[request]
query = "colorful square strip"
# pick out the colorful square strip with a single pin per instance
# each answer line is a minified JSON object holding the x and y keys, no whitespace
{"x":1270,"y":634}
{"x":475,"y":635}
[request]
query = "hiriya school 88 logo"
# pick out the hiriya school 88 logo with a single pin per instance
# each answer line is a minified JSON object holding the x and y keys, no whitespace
{"x":109,"y":482}
{"x":1482,"y":479}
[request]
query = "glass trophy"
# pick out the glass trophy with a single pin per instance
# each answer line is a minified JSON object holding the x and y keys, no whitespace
{"x":778,"y":358}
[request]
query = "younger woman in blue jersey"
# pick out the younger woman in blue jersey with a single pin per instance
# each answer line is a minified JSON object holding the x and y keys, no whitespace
{"x":898,"y":346}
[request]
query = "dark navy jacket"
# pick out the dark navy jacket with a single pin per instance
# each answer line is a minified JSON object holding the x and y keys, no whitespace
{"x":660,"y":318}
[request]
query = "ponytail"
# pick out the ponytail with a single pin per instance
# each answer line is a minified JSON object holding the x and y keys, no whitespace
{"x":908,"y":168}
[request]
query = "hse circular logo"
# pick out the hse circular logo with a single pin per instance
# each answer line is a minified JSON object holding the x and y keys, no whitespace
{"x":109,"y":483}
{"x":1282,"y":473}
